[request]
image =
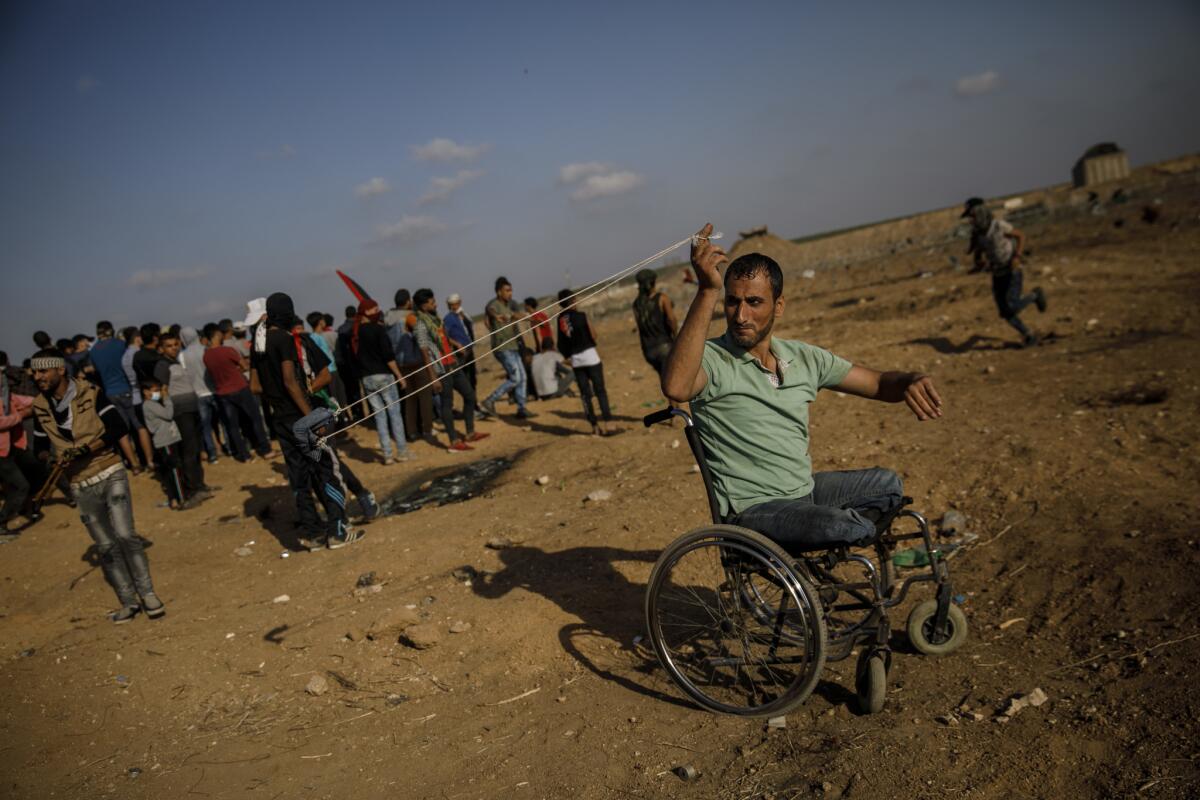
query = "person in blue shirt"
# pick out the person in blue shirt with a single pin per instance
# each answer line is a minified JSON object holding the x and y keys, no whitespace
{"x":105,"y":357}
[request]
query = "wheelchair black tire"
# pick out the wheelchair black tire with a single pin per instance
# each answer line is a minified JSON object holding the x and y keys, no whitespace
{"x":920,"y":628}
{"x":745,"y":544}
{"x":871,"y":682}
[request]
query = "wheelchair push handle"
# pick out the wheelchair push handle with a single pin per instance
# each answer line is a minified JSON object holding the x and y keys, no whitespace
{"x":666,"y":414}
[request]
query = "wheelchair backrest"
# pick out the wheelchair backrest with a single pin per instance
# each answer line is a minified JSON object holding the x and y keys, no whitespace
{"x":693,"y":439}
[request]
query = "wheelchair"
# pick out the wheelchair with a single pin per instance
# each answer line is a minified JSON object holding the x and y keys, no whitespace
{"x":745,"y":626}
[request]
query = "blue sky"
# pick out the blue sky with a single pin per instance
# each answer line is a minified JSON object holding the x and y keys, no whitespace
{"x":169,"y":161}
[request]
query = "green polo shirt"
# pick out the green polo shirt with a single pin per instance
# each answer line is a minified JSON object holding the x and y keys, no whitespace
{"x":755,"y":434}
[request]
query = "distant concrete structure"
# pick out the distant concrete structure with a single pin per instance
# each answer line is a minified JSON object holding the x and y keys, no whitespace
{"x":1101,"y":163}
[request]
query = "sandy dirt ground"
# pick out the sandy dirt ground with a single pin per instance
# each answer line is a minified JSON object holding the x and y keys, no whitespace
{"x":1074,"y":462}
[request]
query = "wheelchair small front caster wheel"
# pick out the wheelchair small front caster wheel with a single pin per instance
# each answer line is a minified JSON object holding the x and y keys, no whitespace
{"x":921,"y":633}
{"x":871,"y":682}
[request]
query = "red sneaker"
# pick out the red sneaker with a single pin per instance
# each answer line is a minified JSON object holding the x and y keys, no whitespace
{"x":459,"y":446}
{"x":476,"y":436}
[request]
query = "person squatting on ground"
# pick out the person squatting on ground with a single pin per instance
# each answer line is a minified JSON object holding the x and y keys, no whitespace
{"x":83,"y":426}
{"x":551,"y":375}
{"x":577,"y":343}
{"x":503,"y":311}
{"x":435,"y":345}
{"x":749,"y":394}
{"x":275,"y":375}
{"x":160,"y":420}
{"x":382,"y":380}
{"x":996,"y":246}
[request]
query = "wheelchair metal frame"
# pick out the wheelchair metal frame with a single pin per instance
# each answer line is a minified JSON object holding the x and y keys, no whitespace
{"x":872,"y":596}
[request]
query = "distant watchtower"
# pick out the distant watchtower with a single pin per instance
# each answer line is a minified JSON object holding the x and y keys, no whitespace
{"x":1102,"y":162}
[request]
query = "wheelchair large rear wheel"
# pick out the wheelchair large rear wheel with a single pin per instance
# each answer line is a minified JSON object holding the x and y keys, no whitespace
{"x":735,"y":625}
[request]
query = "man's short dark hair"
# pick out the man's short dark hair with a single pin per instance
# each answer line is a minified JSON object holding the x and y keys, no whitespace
{"x":42,"y":339}
{"x":351,"y":311}
{"x":751,"y":264}
{"x":329,"y":320}
{"x":168,"y":334}
{"x":547,"y":344}
{"x":209,"y":330}
{"x":226,"y":325}
{"x":128,"y":333}
{"x":3,"y":359}
{"x":149,"y":333}
{"x":401,"y":298}
{"x":62,"y":346}
{"x":80,"y":337}
{"x":104,"y":328}
{"x":422,"y":297}
{"x":501,"y":282}
{"x":563,"y":294}
{"x":531,"y":302}
{"x":314,"y":318}
{"x":175,"y":329}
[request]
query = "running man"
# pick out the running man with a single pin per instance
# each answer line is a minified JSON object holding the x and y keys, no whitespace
{"x":996,"y":246}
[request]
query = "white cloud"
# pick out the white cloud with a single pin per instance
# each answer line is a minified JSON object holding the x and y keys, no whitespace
{"x":410,"y":229}
{"x":442,"y":149}
{"x":214,"y":307}
{"x":582,"y":169}
{"x":593,"y":179}
{"x":607,"y":184}
{"x":441,"y":188}
{"x":974,"y":85}
{"x":372,"y":188}
{"x":156,"y":278}
{"x":85,"y":84}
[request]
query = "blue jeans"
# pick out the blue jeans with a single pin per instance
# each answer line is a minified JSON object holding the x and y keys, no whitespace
{"x":831,"y":515}
{"x":107,"y":512}
{"x":1006,"y":291}
{"x":389,"y":424}
{"x":514,"y":372}
{"x":210,"y":420}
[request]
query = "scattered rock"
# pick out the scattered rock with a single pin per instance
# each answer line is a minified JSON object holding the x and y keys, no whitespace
{"x":598,"y":496}
{"x":989,"y":370}
{"x":674,"y":444}
{"x":1035,"y":698}
{"x":1091,"y":323}
{"x":542,"y":480}
{"x":464,"y":575}
{"x":808,"y":274}
{"x":317,"y":685}
{"x":356,"y":634}
{"x":953,"y":522}
{"x":426,"y":486}
{"x":396,"y":699}
{"x":460,"y":627}
{"x":283,"y":598}
{"x":499,"y":543}
{"x":421,"y":637}
{"x":777,"y":723}
{"x":133,"y":772}
{"x":242,"y":552}
{"x":392,"y":624}
{"x":1132,"y":534}
{"x":365,"y":580}
{"x":946,"y":719}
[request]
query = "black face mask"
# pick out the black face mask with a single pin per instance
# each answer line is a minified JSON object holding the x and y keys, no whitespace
{"x":280,"y":311}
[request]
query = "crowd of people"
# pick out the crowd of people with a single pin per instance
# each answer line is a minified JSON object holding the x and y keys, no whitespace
{"x":83,"y":414}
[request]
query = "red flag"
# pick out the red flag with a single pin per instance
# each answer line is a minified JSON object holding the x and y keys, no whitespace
{"x":359,"y":292}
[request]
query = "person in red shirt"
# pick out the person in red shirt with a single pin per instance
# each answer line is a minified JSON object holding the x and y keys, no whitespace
{"x":227,"y":366}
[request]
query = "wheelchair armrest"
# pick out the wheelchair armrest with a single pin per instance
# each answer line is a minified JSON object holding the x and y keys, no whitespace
{"x":657,"y":417}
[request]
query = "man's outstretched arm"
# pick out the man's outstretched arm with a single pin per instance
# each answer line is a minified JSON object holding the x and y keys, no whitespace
{"x":682,"y":377}
{"x":913,"y":388}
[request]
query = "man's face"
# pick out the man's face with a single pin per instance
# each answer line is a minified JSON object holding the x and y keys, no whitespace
{"x":169,"y":348}
{"x":979,"y":217}
{"x":48,"y":380}
{"x":429,"y":306}
{"x":750,"y":311}
{"x":454,"y":307}
{"x":505,"y":293}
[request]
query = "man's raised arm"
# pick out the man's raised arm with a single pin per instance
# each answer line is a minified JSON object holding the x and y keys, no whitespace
{"x":682,"y":377}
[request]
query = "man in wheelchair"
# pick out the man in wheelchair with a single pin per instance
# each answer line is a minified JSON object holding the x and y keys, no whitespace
{"x":749,"y":394}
